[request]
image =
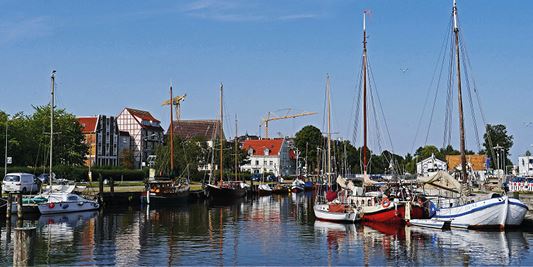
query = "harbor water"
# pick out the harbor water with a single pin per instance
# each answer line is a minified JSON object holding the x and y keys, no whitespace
{"x":271,"y":230}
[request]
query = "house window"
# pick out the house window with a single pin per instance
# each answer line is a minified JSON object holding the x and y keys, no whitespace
{"x":257,"y":162}
{"x":271,"y":163}
{"x":266,"y":151}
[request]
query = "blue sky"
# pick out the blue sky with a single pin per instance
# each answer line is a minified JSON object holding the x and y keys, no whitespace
{"x":270,"y":55}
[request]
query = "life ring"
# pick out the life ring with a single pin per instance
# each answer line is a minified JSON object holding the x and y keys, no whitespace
{"x":52,"y":205}
{"x":385,"y":202}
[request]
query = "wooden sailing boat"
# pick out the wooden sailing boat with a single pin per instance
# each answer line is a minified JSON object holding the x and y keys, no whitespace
{"x":473,"y":211}
{"x":331,"y":209}
{"x":166,"y":190}
{"x":382,"y":210}
{"x":224,"y":190}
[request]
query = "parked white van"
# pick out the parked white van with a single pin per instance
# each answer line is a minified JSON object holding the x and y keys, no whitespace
{"x":20,"y":182}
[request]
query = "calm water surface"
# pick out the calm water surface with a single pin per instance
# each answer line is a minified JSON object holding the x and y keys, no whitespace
{"x":276,"y":230}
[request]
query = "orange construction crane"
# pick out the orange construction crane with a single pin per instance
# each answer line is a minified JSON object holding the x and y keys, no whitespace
{"x":267,"y":119}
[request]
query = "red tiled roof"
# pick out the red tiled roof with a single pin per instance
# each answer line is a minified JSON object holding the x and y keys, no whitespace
{"x":88,"y":124}
{"x":207,"y":129}
{"x":143,"y":115}
{"x":274,"y":145}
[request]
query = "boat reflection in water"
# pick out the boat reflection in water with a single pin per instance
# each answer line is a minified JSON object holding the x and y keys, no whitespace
{"x":438,"y":247}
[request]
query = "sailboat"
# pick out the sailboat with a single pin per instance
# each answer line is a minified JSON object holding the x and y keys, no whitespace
{"x":167,"y":191}
{"x":375,"y":206}
{"x":61,"y":201}
{"x":330,"y":207}
{"x":469,"y":210}
{"x":224,"y":190}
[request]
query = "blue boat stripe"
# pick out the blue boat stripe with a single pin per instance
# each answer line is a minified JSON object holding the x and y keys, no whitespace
{"x":470,"y":211}
{"x":519,"y":204}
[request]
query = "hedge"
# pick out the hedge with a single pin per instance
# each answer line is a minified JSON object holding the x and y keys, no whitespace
{"x":77,"y":173}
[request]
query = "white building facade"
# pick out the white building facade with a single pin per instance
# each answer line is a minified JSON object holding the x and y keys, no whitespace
{"x":145,"y":133}
{"x":269,"y":156}
{"x":430,"y":165}
{"x":525,"y":166}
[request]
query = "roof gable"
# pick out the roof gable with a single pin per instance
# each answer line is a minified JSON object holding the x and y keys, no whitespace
{"x":143,"y":115}
{"x":259,"y":146}
{"x":88,"y":124}
{"x":186,"y":129}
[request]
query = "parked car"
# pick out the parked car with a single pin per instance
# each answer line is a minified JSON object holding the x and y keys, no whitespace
{"x":20,"y":182}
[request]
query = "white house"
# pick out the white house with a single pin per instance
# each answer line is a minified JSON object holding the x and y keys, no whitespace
{"x":525,"y":166}
{"x":430,"y":165}
{"x":269,"y":156}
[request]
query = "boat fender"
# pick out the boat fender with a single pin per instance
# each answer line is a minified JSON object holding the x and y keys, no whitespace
{"x":420,"y":202}
{"x":385,"y":202}
{"x":80,"y":203}
{"x":52,"y":205}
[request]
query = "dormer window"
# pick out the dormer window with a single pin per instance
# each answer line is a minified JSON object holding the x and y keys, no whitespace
{"x":267,"y":151}
{"x":250,"y":151}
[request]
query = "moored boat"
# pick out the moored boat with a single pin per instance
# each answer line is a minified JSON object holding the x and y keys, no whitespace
{"x":165,"y":192}
{"x":264,"y":190}
{"x":297,"y":186}
{"x":336,"y":212}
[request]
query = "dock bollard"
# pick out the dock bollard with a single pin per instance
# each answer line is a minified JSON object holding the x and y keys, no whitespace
{"x":24,"y":246}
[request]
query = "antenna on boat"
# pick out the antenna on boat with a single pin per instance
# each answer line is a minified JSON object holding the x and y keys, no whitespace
{"x":455,"y":26}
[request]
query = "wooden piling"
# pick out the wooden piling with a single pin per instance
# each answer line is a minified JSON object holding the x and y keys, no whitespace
{"x":8,"y":207}
{"x":19,"y":205}
{"x":111,"y":185}
{"x":24,"y":246}
{"x":100,"y":188}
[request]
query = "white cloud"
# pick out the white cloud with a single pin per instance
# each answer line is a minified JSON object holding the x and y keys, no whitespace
{"x":239,"y":10}
{"x":17,"y":30}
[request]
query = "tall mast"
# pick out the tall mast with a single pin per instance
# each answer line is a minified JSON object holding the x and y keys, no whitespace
{"x":171,"y":134}
{"x":236,"y":150}
{"x":52,"y":100}
{"x":459,"y":94}
{"x":364,"y":98}
{"x":329,"y":129}
{"x":220,"y":133}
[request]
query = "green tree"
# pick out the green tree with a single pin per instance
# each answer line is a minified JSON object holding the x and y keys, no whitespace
{"x":426,"y":152}
{"x":496,"y":135}
{"x":69,"y":147}
{"x":127,"y":159}
{"x":308,"y":140}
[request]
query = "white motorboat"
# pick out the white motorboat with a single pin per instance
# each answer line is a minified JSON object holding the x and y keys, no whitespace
{"x":335,"y":212}
{"x":66,"y":202}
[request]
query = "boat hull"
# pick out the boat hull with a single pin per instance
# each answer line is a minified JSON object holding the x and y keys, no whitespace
{"x":516,"y":211}
{"x":65,"y":207}
{"x":490,"y":213}
{"x":393,"y":214}
{"x":177,"y":198}
{"x":323,"y":213}
{"x":224,"y":194}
